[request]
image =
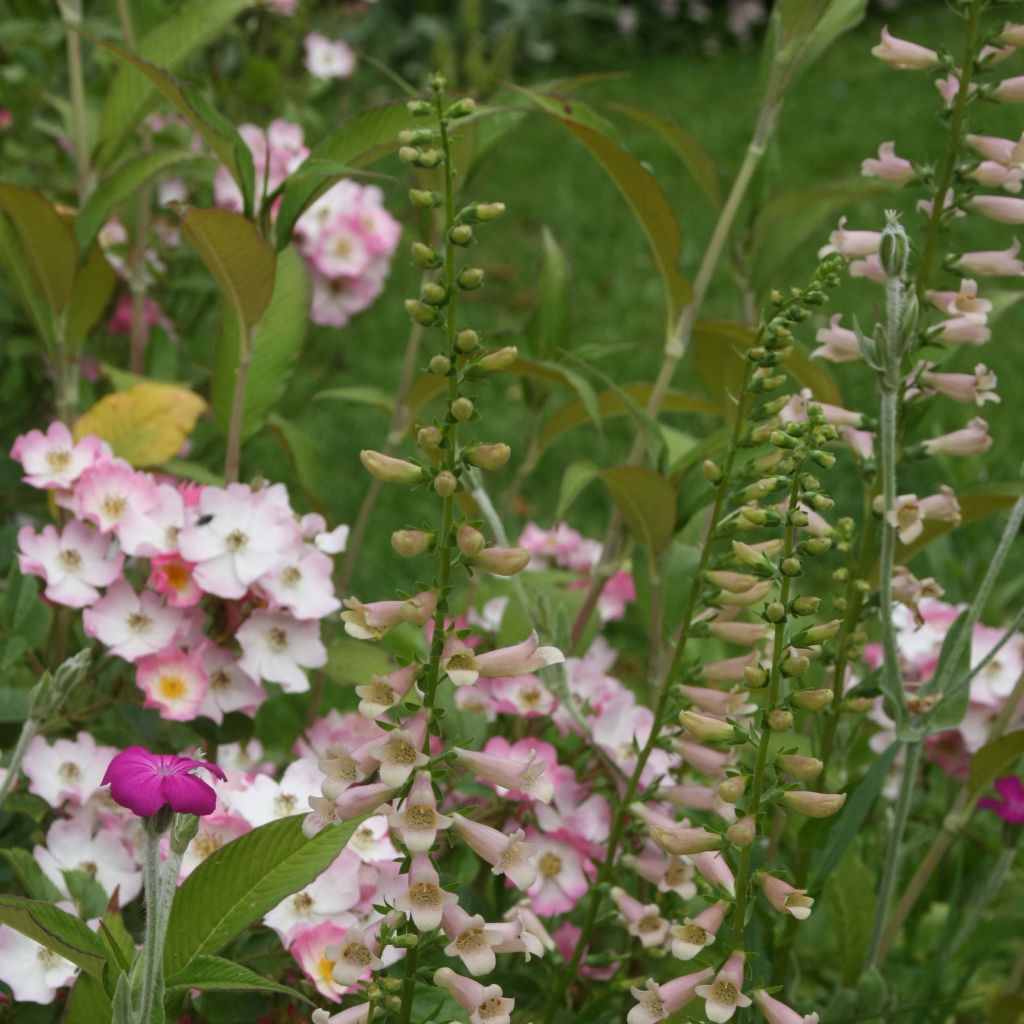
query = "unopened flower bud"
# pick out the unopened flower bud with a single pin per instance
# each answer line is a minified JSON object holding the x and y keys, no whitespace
{"x":799,"y":767}
{"x":419,"y":108}
{"x":406,"y":940}
{"x":434,"y":294}
{"x":790,"y":566}
{"x":183,"y":830}
{"x":814,"y":805}
{"x":461,"y":108}
{"x":816,"y":545}
{"x":408,"y":154}
{"x":487,"y":456}
{"x":470,"y":279}
{"x":755,"y":677}
{"x":824,"y":459}
{"x":440,"y":365}
{"x":805,"y":605}
{"x":780,"y":720}
{"x":429,"y":438}
{"x":811,"y":700}
{"x":775,"y":611}
{"x":750,"y":556}
{"x":858,"y":705}
{"x":467,"y":340}
{"x":424,"y":256}
{"x":798,"y":517}
{"x":421,"y":312}
{"x":471,"y":541}
{"x":425,"y":199}
{"x":822,"y":503}
{"x":445,"y":483}
{"x":731,"y":789}
{"x":416,"y":136}
{"x":895,"y":247}
{"x":742,"y":832}
{"x":705,"y":727}
{"x":712,"y":472}
{"x":462,"y":409}
{"x":502,"y":561}
{"x":819,"y":634}
{"x":754,"y":516}
{"x":429,"y":158}
{"x":488,"y":211}
{"x":389,"y":469}
{"x":499,"y":360}
{"x":461,"y":234}
{"x":795,"y":665}
{"x":410,"y":543}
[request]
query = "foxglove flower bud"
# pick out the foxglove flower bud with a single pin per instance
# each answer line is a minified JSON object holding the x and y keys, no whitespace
{"x":813,"y":805}
{"x":487,"y":456}
{"x":429,"y":438}
{"x":467,"y":340}
{"x":471,"y":541}
{"x":462,"y":409}
{"x":461,"y":234}
{"x":461,"y":108}
{"x":497,"y":361}
{"x":798,"y":766}
{"x":470,"y":279}
{"x":502,"y":561}
{"x":742,"y":832}
{"x":425,"y":199}
{"x":445,"y":483}
{"x":811,"y":700}
{"x":421,"y":312}
{"x":731,"y":789}
{"x":434,"y":294}
{"x":780,"y":720}
{"x":704,"y":727}
{"x":389,"y":469}
{"x":424,"y":256}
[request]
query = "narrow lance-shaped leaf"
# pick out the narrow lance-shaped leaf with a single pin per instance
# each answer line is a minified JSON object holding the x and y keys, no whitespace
{"x":93,"y":288}
{"x":215,"y":974}
{"x":647,"y":502}
{"x":55,"y":929}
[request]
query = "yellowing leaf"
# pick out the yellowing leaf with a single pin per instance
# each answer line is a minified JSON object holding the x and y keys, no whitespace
{"x":146,"y":424}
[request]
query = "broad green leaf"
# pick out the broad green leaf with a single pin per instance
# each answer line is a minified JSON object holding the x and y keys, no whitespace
{"x":235,"y":254}
{"x":47,"y":243}
{"x":118,"y":940}
{"x":276,"y":344}
{"x":14,"y":702}
{"x":30,"y":875}
{"x":237,"y":885}
{"x":359,"y":394}
{"x":675,"y":569}
{"x":850,"y":899}
{"x":86,"y":893}
{"x":146,"y":424}
{"x":845,"y":827}
{"x":94,"y":285}
{"x":575,"y":479}
{"x":88,"y":1002}
{"x":993,"y":760}
{"x":365,"y":137}
{"x":123,"y":182}
{"x":215,"y":974}
{"x":15,"y":268}
{"x":55,"y":929}
{"x":693,"y":156}
{"x":354,"y":661}
{"x":551,"y":325}
{"x":640,"y":189}
{"x":647,"y":501}
{"x":306,"y":455}
{"x":611,"y":403}
{"x":130,"y":97}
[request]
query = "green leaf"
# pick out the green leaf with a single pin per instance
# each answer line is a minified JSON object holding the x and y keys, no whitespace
{"x":353,"y":662}
{"x":551,"y":327}
{"x":237,"y":885}
{"x":803,"y":30}
{"x":14,"y":703}
{"x":47,"y":244}
{"x":647,"y":502}
{"x":89,"y":898}
{"x":360,"y":394}
{"x":130,"y":97}
{"x":88,"y":1002}
{"x":94,"y":285}
{"x":118,"y":940}
{"x":993,"y":760}
{"x":15,"y":268}
{"x":693,"y":156}
{"x":575,"y":479}
{"x":850,"y":900}
{"x":55,"y":929}
{"x":123,"y":182}
{"x":276,"y":344}
{"x":365,"y":137}
{"x":306,"y":455}
{"x":847,"y":826}
{"x":638,"y":186}
{"x":215,"y":974}
{"x":951,"y":680}
{"x":30,"y":875}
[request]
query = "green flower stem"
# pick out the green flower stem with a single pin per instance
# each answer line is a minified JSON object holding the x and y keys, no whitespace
{"x":893,"y":687}
{"x":233,"y":454}
{"x":570,"y":970}
{"x":956,"y":124}
{"x":71,"y":14}
{"x":761,"y":759}
{"x":446,"y":537}
{"x":28,"y":732}
{"x":159,"y":882}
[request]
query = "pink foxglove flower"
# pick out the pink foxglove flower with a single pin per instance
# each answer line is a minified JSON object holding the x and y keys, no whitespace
{"x":1004,"y":209}
{"x":131,"y":625}
{"x":714,"y":868}
{"x":464,"y":666}
{"x":814,"y":805}
{"x":69,"y":770}
{"x":888,"y":166}
{"x":33,"y":972}
{"x":528,"y":778}
{"x":657,"y":1002}
{"x":277,"y":648}
{"x":1011,"y":806}
{"x":725,"y":994}
{"x":960,"y":330}
{"x":696,"y":933}
{"x":669,"y":874}
{"x":995,"y":175}
{"x":239,"y":536}
{"x":1002,"y":151}
{"x":471,"y":939}
{"x":175,"y":682}
{"x":964,"y":303}
{"x":971,"y":440}
{"x":353,"y":803}
{"x":1010,"y":90}
{"x":506,"y":853}
{"x":400,"y":753}
{"x":145,"y":783}
{"x":73,"y":562}
{"x":976,"y":388}
{"x":643,"y":922}
{"x":371,"y":621}
{"x":851,"y":244}
{"x":994,"y":263}
{"x":424,"y":900}
{"x":53,"y":460}
{"x":356,"y":957}
{"x":783,"y":897}
{"x":353,"y":1015}
{"x":485,"y":1004}
{"x":779,"y":1013}
{"x":109,"y":491}
{"x":385,"y":692}
{"x":418,"y":822}
{"x":904,"y":55}
{"x":328,"y":58}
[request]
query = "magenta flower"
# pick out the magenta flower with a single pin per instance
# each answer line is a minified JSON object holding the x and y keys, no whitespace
{"x":1011,"y":807}
{"x":146,"y":783}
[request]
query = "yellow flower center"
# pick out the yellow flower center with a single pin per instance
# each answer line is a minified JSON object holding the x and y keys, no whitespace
{"x":172,"y":686}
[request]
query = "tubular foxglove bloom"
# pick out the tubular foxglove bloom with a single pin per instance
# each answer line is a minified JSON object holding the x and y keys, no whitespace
{"x":340,"y":769}
{"x":464,"y":666}
{"x":391,"y":470}
{"x":813,"y":805}
{"x":725,"y":994}
{"x":355,"y":956}
{"x":784,"y":897}
{"x":372,"y":621}
{"x":417,"y":822}
{"x":973,"y":388}
{"x":1004,"y":209}
{"x":680,"y":840}
{"x":424,"y":900}
{"x":656,"y":1002}
{"x":903,"y":55}
{"x":971,"y":440}
{"x":386,"y":692}
{"x":471,"y":939}
{"x":520,"y":777}
{"x":835,"y":343}
{"x":993,"y":263}
{"x":705,"y":727}
{"x":353,"y":1015}
{"x":400,"y":753}
{"x":851,"y":244}
{"x":507,"y":854}
{"x":642,"y":922}
{"x":779,"y":1013}
{"x":146,"y":783}
{"x":485,"y":1004}
{"x":695,"y":934}
{"x":888,"y":166}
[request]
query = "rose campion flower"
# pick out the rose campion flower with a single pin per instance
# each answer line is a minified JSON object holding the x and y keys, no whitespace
{"x":328,"y":58}
{"x":146,"y":783}
{"x":74,"y":562}
{"x":53,"y":460}
{"x":1011,"y":806}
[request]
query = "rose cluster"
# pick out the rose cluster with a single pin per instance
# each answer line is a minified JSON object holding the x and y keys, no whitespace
{"x":208,"y":591}
{"x":346,"y":237}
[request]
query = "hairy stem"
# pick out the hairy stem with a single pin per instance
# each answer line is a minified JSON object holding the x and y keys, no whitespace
{"x":28,"y":732}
